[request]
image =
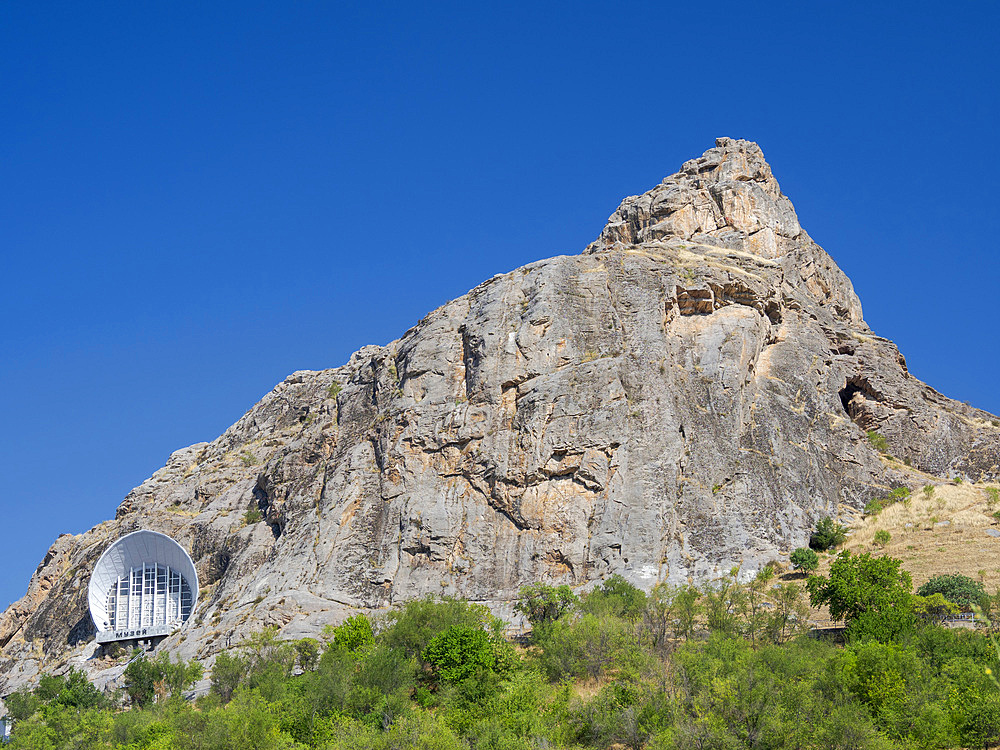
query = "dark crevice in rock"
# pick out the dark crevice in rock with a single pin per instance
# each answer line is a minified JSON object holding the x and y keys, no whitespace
{"x":272,"y":513}
{"x":82,"y":631}
{"x":468,"y":359}
{"x":218,"y":563}
{"x":853,"y":397}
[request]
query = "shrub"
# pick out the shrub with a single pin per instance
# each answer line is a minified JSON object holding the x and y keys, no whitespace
{"x":874,"y":507}
{"x":252,"y":516}
{"x":144,"y":678}
{"x":228,"y":672}
{"x":956,"y":588}
{"x":307,"y":653}
{"x":590,"y":646}
{"x":804,"y":560}
{"x":412,"y":627}
{"x":672,"y":611}
{"x":828,"y":534}
{"x":933,"y":608}
{"x":882,"y":537}
{"x":73,"y":690}
{"x":617,"y":597}
{"x":992,"y":496}
{"x":334,"y":390}
{"x":353,"y":635}
{"x":460,"y":652}
{"x":878,"y":442}
{"x":542,"y":603}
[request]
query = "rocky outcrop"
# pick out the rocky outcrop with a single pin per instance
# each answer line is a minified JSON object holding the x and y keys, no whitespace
{"x":690,"y":393}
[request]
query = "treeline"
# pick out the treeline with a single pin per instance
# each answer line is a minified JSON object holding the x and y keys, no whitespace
{"x":727,"y":666}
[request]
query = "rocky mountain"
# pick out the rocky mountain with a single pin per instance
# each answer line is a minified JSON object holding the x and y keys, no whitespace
{"x":691,"y":392}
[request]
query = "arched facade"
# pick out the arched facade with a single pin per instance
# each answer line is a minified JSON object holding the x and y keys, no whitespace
{"x":144,"y":585}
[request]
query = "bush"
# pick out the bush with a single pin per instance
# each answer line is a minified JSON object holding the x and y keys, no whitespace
{"x":73,"y":690}
{"x":412,"y":627}
{"x":616,"y":597}
{"x":828,"y":534}
{"x":227,"y":673}
{"x":145,"y":678}
{"x":933,"y":608}
{"x":590,"y":646}
{"x":878,"y":442}
{"x":542,"y":604}
{"x":460,"y":652}
{"x":307,"y":653}
{"x":875,"y":506}
{"x":957,"y":589}
{"x":928,"y":690}
{"x":882,"y":537}
{"x":353,"y":635}
{"x":804,"y":560}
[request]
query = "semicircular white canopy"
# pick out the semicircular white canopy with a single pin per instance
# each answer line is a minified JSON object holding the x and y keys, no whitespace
{"x":145,"y":579}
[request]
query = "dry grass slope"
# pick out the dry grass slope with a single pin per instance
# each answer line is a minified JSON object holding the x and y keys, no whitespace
{"x":940,"y":528}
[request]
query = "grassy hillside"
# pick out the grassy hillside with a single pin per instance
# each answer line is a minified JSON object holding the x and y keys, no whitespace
{"x":939,"y":528}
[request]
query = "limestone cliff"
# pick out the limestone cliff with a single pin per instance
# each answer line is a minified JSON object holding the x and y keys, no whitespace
{"x":691,"y":392}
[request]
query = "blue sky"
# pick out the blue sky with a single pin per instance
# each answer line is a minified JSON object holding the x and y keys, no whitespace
{"x":200,"y":198}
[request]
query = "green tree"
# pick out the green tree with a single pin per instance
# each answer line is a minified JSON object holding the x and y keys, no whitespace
{"x":411,"y":628}
{"x":933,"y":608}
{"x":871,"y":594}
{"x":542,"y":604}
{"x":804,"y":560}
{"x":688,"y":607}
{"x":755,"y":612}
{"x":229,"y":670}
{"x":22,"y":704}
{"x":147,"y":678}
{"x":73,"y":689}
{"x":355,"y":634}
{"x":828,"y":534}
{"x":141,"y":676}
{"x":725,"y":603}
{"x":307,"y":653}
{"x":460,"y":652}
{"x":956,"y":588}
{"x":662,"y":612}
{"x":617,"y":597}
{"x":790,"y":614}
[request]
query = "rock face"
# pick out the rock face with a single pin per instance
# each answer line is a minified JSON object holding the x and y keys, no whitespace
{"x":690,"y":393}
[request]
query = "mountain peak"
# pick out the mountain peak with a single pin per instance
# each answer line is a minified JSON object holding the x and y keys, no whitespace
{"x":692,"y":394}
{"x":727,"y":197}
